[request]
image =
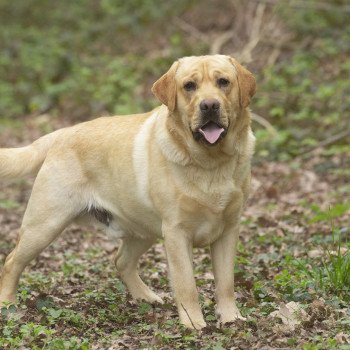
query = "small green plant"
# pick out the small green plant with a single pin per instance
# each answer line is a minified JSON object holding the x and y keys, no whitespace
{"x":333,"y":274}
{"x":8,"y":204}
{"x":332,"y":213}
{"x":337,"y":271}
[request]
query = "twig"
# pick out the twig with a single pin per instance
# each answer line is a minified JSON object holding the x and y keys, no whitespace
{"x":328,"y":141}
{"x":190,"y":29}
{"x":266,"y":124}
{"x":255,"y":34}
{"x":220,"y":41}
{"x":334,"y":138}
{"x":320,"y":5}
{"x":189,"y":317}
{"x":273,"y":56}
{"x":159,"y":53}
{"x":254,"y":38}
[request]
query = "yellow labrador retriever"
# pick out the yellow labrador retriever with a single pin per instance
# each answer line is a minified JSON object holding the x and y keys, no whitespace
{"x":180,"y":172}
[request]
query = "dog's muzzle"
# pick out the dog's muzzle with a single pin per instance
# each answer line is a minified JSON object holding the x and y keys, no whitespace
{"x":210,"y":129}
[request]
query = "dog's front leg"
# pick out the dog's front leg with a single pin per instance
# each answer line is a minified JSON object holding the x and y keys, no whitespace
{"x":223,"y":252}
{"x":179,"y":255}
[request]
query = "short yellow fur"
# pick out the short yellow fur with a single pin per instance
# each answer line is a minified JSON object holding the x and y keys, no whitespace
{"x":153,"y":178}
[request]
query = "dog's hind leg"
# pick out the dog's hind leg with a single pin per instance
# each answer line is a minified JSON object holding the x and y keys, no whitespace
{"x":126,"y":262}
{"x":50,"y":210}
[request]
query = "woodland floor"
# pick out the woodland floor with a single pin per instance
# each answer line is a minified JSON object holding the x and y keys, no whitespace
{"x":71,"y":297}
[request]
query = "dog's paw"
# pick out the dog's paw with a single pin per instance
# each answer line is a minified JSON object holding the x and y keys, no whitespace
{"x":148,"y":296}
{"x":229,"y":314}
{"x":6,"y":302}
{"x":192,"y":320}
{"x":194,"y":324}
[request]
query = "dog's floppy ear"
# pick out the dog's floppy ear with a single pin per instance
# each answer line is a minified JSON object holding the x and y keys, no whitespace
{"x":246,"y":83}
{"x":165,"y":88}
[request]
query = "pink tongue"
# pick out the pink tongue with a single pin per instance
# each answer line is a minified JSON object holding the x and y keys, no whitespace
{"x":211,"y":132}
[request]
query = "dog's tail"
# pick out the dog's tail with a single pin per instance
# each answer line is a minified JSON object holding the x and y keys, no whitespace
{"x":17,"y":162}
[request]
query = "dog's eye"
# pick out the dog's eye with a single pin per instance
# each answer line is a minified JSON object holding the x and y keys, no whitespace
{"x":222,"y":82}
{"x":190,"y":86}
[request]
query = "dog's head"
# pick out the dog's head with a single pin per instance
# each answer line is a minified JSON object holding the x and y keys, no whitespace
{"x":207,"y":93}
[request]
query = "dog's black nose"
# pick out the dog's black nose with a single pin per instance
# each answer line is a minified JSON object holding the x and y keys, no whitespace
{"x":209,"y":105}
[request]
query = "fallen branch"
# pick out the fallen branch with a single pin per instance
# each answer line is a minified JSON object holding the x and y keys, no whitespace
{"x":326,"y":142}
{"x":319,"y":5}
{"x":245,"y":54}
{"x":265,"y":123}
{"x":190,"y":29}
{"x":220,"y":41}
{"x":255,"y":34}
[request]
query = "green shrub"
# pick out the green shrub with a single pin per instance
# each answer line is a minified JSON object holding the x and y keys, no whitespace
{"x":78,"y":58}
{"x":306,"y":95}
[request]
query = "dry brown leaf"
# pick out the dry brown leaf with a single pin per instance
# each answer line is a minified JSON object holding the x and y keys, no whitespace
{"x":291,"y":314}
{"x":342,"y":338}
{"x":315,"y":253}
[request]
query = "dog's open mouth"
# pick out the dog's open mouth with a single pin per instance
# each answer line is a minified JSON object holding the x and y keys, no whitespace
{"x":211,"y":132}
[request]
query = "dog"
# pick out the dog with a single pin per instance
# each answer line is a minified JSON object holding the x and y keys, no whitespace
{"x":180,"y":172}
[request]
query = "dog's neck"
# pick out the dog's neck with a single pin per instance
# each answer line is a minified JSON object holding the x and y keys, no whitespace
{"x":178,"y":145}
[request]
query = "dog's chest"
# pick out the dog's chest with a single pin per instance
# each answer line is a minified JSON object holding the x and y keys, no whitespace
{"x":206,"y":215}
{"x":207,"y":231}
{"x":213,"y":189}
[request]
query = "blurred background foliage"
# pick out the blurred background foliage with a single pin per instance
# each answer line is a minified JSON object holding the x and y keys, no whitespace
{"x":80,"y":59}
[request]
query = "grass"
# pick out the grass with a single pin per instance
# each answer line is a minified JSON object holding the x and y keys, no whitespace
{"x":333,"y":273}
{"x":337,"y":273}
{"x":72,"y":298}
{"x":99,"y":308}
